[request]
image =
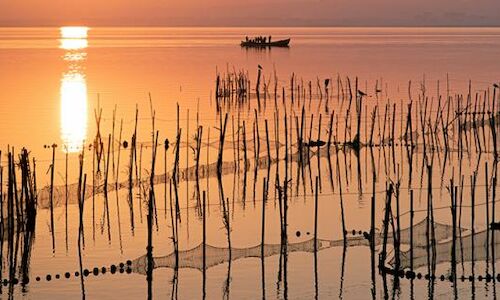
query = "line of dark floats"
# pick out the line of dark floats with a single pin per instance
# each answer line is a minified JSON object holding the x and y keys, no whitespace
{"x":463,"y":116}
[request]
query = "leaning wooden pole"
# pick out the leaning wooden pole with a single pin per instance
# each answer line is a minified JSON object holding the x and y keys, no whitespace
{"x":52,"y":167}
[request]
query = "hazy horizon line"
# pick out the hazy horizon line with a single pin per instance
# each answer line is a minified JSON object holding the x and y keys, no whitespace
{"x":244,"y":26}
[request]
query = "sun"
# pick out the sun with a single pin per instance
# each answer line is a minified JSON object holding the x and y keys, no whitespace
{"x":74,"y":32}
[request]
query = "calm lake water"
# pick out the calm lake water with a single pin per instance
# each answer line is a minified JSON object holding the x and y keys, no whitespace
{"x":123,"y":65}
{"x":53,"y":81}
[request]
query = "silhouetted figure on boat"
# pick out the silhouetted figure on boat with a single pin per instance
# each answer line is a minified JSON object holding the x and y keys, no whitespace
{"x":261,"y":41}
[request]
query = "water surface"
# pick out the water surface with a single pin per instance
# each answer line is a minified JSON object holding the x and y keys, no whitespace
{"x":53,"y":81}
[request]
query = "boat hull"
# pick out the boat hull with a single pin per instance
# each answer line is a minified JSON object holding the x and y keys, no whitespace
{"x":281,"y":43}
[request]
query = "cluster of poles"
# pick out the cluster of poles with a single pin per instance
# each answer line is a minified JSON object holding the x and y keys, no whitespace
{"x":18,"y":213}
{"x":426,"y":125}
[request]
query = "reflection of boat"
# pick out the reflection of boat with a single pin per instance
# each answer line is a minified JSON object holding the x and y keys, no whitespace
{"x":281,"y":43}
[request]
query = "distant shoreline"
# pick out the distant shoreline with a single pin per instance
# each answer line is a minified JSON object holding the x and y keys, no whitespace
{"x":221,"y":26}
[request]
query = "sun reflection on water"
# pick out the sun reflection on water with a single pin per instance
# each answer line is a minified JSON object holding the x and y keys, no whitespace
{"x":73,"y":91}
{"x":73,"y":44}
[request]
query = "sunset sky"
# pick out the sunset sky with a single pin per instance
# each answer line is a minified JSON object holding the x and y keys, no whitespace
{"x":251,"y":12}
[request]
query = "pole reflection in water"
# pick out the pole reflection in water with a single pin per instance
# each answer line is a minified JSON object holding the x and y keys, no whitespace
{"x":73,"y":90}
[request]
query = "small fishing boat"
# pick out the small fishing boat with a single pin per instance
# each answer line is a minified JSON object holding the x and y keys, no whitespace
{"x":280,"y":43}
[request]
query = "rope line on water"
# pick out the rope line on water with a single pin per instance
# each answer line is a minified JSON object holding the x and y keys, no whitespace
{"x":113,"y":269}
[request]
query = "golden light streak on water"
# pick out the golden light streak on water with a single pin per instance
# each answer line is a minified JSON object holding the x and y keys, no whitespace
{"x":73,"y":90}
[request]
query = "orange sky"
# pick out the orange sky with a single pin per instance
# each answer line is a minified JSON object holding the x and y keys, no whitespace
{"x":252,"y":12}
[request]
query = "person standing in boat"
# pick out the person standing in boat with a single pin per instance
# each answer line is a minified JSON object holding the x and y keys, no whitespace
{"x":269,"y":40}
